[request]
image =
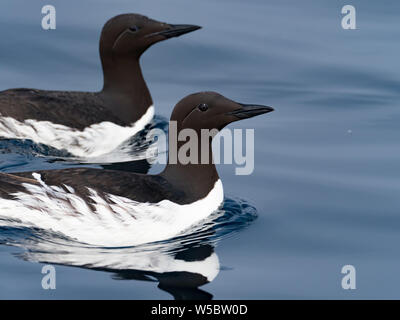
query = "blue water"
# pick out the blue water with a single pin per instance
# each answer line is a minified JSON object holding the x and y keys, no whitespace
{"x":326,"y":183}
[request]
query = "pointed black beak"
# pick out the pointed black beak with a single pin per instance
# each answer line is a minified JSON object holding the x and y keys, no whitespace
{"x":177,"y":30}
{"x":250,"y":110}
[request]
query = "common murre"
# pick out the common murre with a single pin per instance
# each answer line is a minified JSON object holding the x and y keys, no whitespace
{"x":91,"y":124}
{"x":114,"y":208}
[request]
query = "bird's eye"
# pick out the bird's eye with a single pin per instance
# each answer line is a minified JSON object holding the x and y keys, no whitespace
{"x":203,"y":107}
{"x":134,"y":28}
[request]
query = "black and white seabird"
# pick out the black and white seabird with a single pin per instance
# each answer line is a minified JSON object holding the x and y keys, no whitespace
{"x":115,"y":208}
{"x":91,"y":124}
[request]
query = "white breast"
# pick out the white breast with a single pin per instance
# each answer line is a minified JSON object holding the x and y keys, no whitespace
{"x":114,"y":221}
{"x":94,"y":141}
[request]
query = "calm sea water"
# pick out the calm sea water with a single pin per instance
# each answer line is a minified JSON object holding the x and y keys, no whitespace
{"x":326,"y":183}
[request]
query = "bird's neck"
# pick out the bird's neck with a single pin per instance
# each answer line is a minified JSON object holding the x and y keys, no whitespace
{"x":125,"y":90}
{"x":197,"y":178}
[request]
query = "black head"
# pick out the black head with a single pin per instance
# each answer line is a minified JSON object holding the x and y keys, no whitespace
{"x":204,"y":110}
{"x":131,"y":34}
{"x":210,"y":110}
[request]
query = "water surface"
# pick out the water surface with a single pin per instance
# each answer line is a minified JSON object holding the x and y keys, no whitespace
{"x":327,"y":163}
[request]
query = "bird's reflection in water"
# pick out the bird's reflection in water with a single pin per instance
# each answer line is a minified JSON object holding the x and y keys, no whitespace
{"x":179,"y":274}
{"x":179,"y":269}
{"x":180,"y":265}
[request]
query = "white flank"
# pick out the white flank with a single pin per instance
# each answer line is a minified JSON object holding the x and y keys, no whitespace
{"x":92,"y":142}
{"x":114,"y":222}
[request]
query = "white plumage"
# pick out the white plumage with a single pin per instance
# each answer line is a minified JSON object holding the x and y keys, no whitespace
{"x":91,"y":143}
{"x":112,"y":222}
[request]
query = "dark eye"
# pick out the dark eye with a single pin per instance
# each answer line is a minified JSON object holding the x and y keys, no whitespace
{"x":134,"y":28}
{"x":203,"y":107}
